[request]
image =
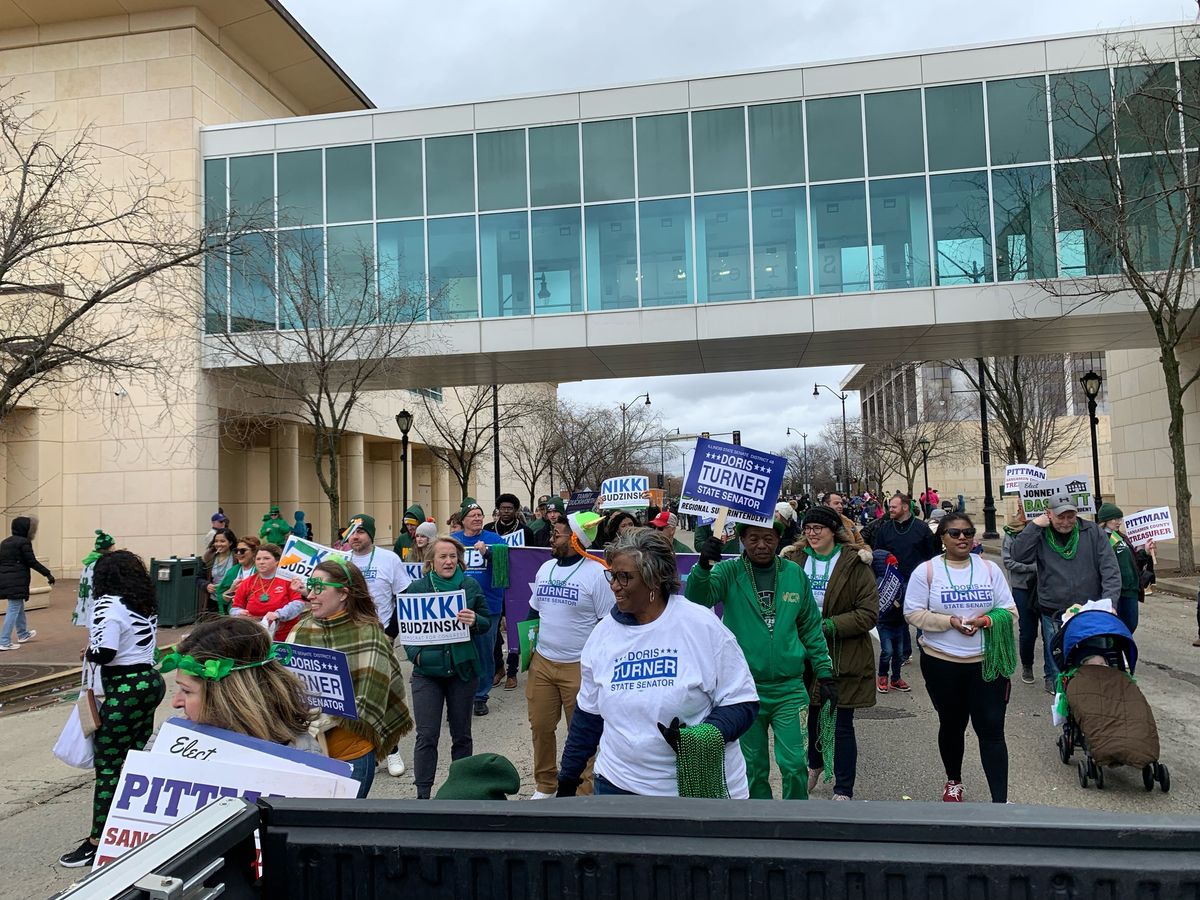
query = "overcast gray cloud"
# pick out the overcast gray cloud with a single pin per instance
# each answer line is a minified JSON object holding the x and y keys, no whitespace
{"x":424,"y":53}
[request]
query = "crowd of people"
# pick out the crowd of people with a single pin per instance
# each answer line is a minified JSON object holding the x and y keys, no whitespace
{"x":660,"y":696}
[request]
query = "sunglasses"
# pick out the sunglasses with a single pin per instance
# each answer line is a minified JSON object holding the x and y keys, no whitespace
{"x":621,"y":578}
{"x":316,"y":584}
{"x":960,"y":532}
{"x":241,"y":550}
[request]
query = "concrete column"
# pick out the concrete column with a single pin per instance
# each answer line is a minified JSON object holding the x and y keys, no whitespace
{"x":285,"y":467}
{"x":439,"y":491}
{"x":397,"y":488}
{"x":353,"y":490}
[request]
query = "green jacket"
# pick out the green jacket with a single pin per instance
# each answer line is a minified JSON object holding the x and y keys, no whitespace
{"x":773,"y":656}
{"x":406,"y":542}
{"x":444,"y":660}
{"x":680,"y":547}
{"x":704,"y":532}
{"x":275,"y":531}
{"x":1131,"y":583}
{"x":226,"y":587}
{"x":851,"y":609}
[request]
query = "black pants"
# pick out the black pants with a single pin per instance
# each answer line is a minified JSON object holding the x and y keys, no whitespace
{"x":429,"y":697}
{"x":508,"y":667}
{"x":845,"y":748}
{"x":959,"y":695}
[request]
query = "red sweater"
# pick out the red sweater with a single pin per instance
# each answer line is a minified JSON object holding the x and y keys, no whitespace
{"x":259,"y":596}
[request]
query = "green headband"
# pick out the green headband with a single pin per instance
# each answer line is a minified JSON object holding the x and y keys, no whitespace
{"x":211,"y":669}
{"x":341,"y":564}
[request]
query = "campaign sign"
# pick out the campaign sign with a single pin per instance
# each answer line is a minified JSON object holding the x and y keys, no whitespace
{"x":191,"y":740}
{"x":1016,"y":477}
{"x":626,"y":492}
{"x":414,"y":570}
{"x":157,"y":789}
{"x":515,"y":538}
{"x":582,"y":500}
{"x":326,"y":677}
{"x":300,"y":557}
{"x":888,"y":586}
{"x":707,"y":513}
{"x":1036,"y":497}
{"x":431,"y":618}
{"x":739,"y":478}
{"x":1150,"y":525}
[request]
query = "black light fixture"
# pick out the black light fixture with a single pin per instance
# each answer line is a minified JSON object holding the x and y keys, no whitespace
{"x":841,"y":395}
{"x":543,"y":291}
{"x":925,"y":445}
{"x":404,"y":420}
{"x":1091,"y":389}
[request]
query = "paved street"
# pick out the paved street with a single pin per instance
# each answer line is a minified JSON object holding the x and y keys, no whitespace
{"x":44,"y":804}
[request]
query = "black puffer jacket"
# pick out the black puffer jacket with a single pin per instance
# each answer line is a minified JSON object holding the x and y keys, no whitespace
{"x":16,"y":559}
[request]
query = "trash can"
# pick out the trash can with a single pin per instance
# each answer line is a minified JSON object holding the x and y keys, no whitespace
{"x":175,"y":585}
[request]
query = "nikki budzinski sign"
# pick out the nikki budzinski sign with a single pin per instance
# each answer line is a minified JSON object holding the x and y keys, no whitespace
{"x":737,"y":477}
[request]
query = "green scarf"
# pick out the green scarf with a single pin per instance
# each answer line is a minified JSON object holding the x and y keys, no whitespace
{"x":92,"y":557}
{"x":1068,"y":550}
{"x":383,"y":715}
{"x":453,"y":583}
{"x":700,"y":764}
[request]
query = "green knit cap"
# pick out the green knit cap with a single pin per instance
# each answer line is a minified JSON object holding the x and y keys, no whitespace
{"x":103,"y":541}
{"x":363,"y":521}
{"x":1109,"y":511}
{"x":556,"y":503}
{"x":468,"y":504}
{"x":485,"y":776}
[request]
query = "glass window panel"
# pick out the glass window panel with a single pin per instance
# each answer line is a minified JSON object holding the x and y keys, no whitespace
{"x":557,"y":260}
{"x":608,"y":160}
{"x":962,"y":231}
{"x":504,"y":264}
{"x":1158,"y":214}
{"x":1084,"y":192}
{"x":719,"y":148}
{"x":302,"y":277}
{"x":780,"y":243}
{"x":300,"y":201}
{"x":899,"y":233}
{"x":777,"y":143}
{"x":1081,"y":109}
{"x":610,"y":236}
{"x":351,"y":282}
{"x":665,"y":230}
{"x":501,"y":162}
{"x":894,"y":144}
{"x":348,"y":183}
{"x":215,"y":183}
{"x":554,"y":165}
{"x":662,"y":155}
{"x":835,"y":139}
{"x":453,"y":275}
{"x":1189,"y":87}
{"x":402,"y":270}
{"x":1023,"y":208}
{"x":216,"y":293}
{"x":954,"y":125}
{"x":839,"y":224}
{"x":1147,"y":115}
{"x":398,"y":190}
{"x":450,"y":174}
{"x":723,"y":246}
{"x":1017,"y":124}
{"x":252,"y":188}
{"x":252,"y":285}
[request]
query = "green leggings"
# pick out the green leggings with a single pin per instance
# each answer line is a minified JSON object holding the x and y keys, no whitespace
{"x":126,"y":722}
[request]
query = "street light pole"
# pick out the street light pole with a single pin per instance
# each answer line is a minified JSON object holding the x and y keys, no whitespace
{"x":841,"y":395}
{"x":404,"y":420}
{"x":624,"y":411}
{"x":804,"y":461}
{"x":1091,"y":389}
{"x":925,"y":443}
{"x":985,"y":457}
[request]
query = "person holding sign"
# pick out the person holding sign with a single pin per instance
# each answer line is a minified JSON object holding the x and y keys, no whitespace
{"x":263,"y":595}
{"x":1112,"y":520}
{"x":486,"y":556}
{"x":516,"y":533}
{"x":769,"y":607}
{"x":965,"y":612}
{"x":446,"y":675}
{"x":342,"y":616}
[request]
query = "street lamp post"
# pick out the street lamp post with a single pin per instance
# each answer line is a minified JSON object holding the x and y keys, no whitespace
{"x":925,"y":443}
{"x":841,"y":395}
{"x":624,"y":410}
{"x":985,"y":457}
{"x":804,"y":463}
{"x":404,"y":420}
{"x":1091,"y":388}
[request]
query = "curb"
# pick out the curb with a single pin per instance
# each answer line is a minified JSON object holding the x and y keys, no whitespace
{"x":43,"y":684}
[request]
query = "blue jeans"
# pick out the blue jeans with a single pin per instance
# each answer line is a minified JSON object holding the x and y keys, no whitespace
{"x":362,"y":770}
{"x":603,"y":786}
{"x":14,"y":622}
{"x":1028,"y":617}
{"x":891,"y":647}
{"x":485,"y":646}
{"x":1127,"y":612}
{"x":1050,"y":626}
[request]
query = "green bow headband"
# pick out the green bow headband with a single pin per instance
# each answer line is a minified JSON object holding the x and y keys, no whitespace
{"x":211,"y":669}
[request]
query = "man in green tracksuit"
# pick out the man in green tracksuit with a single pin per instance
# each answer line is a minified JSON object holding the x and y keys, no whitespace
{"x":770,"y":609}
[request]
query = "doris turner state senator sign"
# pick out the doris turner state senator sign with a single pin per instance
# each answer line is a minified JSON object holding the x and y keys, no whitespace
{"x":740,"y":478}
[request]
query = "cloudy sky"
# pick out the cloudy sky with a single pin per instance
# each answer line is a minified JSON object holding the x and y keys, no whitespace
{"x":422,"y":52}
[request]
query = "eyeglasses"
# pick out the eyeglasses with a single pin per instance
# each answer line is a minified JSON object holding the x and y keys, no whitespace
{"x":621,"y":578}
{"x":316,"y":584}
{"x":960,"y":532}
{"x":813,"y":529}
{"x":240,"y":550}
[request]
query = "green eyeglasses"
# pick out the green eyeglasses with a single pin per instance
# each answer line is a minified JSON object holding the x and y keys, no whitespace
{"x":316,"y":584}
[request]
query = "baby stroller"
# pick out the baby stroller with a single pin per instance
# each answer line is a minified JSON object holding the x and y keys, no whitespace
{"x":1108,"y":718}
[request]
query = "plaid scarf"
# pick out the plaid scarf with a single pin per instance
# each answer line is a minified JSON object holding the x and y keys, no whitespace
{"x":378,"y":681}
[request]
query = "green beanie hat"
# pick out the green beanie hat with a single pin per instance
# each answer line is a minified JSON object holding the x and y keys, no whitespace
{"x":585,"y":525}
{"x":1109,"y":511}
{"x":103,"y":541}
{"x":468,"y":504}
{"x":363,"y":521}
{"x":779,"y":527}
{"x":557,"y":503}
{"x":485,"y":776}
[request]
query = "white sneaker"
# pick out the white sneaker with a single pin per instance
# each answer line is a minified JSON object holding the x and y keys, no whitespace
{"x":541,"y":795}
{"x":29,"y":637}
{"x":10,"y":646}
{"x":395,"y":764}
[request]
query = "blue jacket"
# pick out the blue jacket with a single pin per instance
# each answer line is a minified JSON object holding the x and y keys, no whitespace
{"x":479,"y":567}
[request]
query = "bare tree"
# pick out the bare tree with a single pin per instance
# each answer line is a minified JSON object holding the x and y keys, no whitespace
{"x":530,"y":450}
{"x":306,"y":345}
{"x":893,"y":446}
{"x":596,"y":443}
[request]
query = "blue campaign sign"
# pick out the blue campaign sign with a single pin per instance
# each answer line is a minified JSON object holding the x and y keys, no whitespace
{"x":582,"y":500}
{"x":326,"y":675}
{"x":737,"y":477}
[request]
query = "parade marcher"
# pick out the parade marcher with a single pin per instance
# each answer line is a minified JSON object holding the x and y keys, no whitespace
{"x":82,"y":615}
{"x":1112,"y":520}
{"x":422,"y":537}
{"x":730,"y":545}
{"x":218,"y":520}
{"x":665,"y":691}
{"x":516,"y":533}
{"x":964,"y":610}
{"x":275,"y":529}
{"x":216,"y":562}
{"x":786,"y":513}
{"x":843,"y":587}
{"x":301,"y":528}
{"x":267,"y":595}
{"x":17,"y":560}
{"x":123,"y":637}
{"x":413,"y":516}
{"x":445,"y":675}
{"x":1075,"y":563}
{"x":343,"y":616}
{"x":613,"y":524}
{"x":911,"y":542}
{"x":667,"y":522}
{"x":556,"y":510}
{"x":769,"y":607}
{"x":244,"y":550}
{"x":1022,"y":579}
{"x":486,"y":562}
{"x":539,"y":522}
{"x":570,"y":596}
{"x":836,"y":501}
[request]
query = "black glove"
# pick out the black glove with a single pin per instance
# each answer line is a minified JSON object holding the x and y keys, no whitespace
{"x":710,"y":553}
{"x":50,"y":580}
{"x":827,"y":691}
{"x":670,"y":733}
{"x":568,"y":787}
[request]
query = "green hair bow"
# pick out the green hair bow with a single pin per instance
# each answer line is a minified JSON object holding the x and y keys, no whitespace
{"x":211,"y":669}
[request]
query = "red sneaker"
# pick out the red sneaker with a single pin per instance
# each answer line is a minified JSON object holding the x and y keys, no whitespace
{"x":900,"y":685}
{"x":882,"y":683}
{"x":952,"y":792}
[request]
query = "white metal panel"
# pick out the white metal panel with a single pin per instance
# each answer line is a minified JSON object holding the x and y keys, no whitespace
{"x":416,"y":122}
{"x":752,"y":88}
{"x":236,"y":141}
{"x":872,"y":75}
{"x":840,"y":312}
{"x":626,"y":101}
{"x":984,"y":62}
{"x":321,"y":132}
{"x":527,"y":111}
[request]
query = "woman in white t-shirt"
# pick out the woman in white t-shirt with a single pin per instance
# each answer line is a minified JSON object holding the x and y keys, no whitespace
{"x":951,"y":598}
{"x":654,"y":666}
